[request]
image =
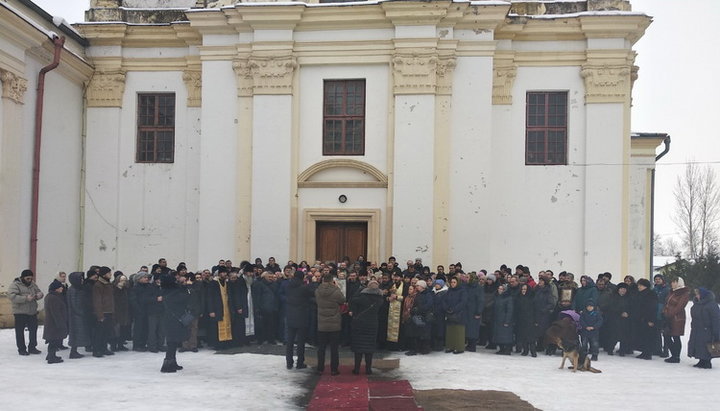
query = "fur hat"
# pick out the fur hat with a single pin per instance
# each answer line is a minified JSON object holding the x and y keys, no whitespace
{"x":491,"y":277}
{"x":421,"y":283}
{"x":373,"y":284}
{"x":644,"y":282}
{"x":55,"y":285}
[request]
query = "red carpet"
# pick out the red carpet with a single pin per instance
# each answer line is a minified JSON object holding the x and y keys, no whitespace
{"x":354,"y":392}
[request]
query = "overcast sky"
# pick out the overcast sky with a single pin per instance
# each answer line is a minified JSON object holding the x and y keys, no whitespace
{"x":678,"y":91}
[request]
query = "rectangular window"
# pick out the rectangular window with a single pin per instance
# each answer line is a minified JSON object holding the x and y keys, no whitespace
{"x":344,"y":117}
{"x":156,"y":128}
{"x":546,"y":128}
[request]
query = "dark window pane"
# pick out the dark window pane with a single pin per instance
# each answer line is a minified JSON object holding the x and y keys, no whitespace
{"x":546,"y":128}
{"x":344,"y":117}
{"x":156,"y":128}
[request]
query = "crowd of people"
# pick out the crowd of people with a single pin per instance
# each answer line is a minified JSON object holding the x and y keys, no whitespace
{"x":363,"y":305}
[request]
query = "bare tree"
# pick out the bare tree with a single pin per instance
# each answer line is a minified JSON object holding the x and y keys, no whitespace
{"x":709,"y":210}
{"x":696,"y":202}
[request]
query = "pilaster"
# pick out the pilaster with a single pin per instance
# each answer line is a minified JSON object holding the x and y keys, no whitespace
{"x":13,"y":86}
{"x":106,"y":89}
{"x":193,"y":83}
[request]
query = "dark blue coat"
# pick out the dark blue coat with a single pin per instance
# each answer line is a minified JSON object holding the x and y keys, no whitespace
{"x":591,"y":319}
{"x":298,"y":299}
{"x":475,"y":306}
{"x":438,"y":326}
{"x":455,"y":304}
{"x":705,"y":325}
{"x":264,"y":298}
{"x":503,"y":327}
{"x":76,"y":297}
{"x":584,"y":294}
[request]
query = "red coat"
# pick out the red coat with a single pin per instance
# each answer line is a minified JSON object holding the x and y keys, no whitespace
{"x":674,"y":311}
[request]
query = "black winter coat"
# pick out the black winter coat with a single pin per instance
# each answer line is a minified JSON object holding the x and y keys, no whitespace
{"x":197,"y":298}
{"x":526,"y":318}
{"x":455,"y":304}
{"x":214,"y":300}
{"x":365,"y":307}
{"x":263,"y":297}
{"x":76,"y":298}
{"x":617,"y":327}
{"x":543,"y":306}
{"x":645,"y":311}
{"x":705,"y":326}
{"x":504,"y":311}
{"x":237,"y":296}
{"x":141,"y":297}
{"x":298,"y":301}
{"x":176,"y":301}
{"x":56,"y":317}
{"x":475,"y":306}
{"x":422,"y":306}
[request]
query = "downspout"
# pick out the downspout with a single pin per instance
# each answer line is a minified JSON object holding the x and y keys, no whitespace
{"x":666,"y":141}
{"x":59,"y":42}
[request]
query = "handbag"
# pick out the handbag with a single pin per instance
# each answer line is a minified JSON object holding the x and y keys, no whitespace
{"x":418,"y":320}
{"x":714,"y":349}
{"x":186,"y":319}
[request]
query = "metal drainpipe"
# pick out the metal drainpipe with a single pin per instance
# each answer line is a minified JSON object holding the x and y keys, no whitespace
{"x":666,"y":141}
{"x":59,"y":42}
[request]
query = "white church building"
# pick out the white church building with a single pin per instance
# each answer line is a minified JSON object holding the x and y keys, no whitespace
{"x":486,"y":132}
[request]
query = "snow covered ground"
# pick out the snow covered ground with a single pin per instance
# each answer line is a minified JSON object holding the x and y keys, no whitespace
{"x":132,"y":381}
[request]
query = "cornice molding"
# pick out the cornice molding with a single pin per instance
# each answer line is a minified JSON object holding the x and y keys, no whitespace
{"x":106,"y":89}
{"x":13,"y":86}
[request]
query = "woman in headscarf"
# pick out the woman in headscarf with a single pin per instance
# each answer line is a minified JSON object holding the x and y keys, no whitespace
{"x":674,"y":313}
{"x":454,"y":303}
{"x":473,"y":314}
{"x":705,"y":326}
{"x":503,"y":326}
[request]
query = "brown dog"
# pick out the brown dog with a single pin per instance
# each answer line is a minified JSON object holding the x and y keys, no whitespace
{"x":563,"y":333}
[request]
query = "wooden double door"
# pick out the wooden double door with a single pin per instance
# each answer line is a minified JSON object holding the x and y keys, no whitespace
{"x":336,"y":240}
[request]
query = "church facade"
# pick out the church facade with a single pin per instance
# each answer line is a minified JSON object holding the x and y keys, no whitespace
{"x":486,"y":132}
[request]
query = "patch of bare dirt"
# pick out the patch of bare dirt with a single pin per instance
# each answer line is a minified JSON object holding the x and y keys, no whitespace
{"x":457,"y":400}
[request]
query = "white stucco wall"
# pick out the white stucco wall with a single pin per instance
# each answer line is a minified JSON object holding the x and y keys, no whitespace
{"x":271,"y":177}
{"x":218,"y":156}
{"x":139,"y":212}
{"x":311,"y":112}
{"x":58,"y":209}
{"x":538,"y":215}
{"x":412,"y":222}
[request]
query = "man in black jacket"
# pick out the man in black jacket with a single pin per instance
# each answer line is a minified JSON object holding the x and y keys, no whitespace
{"x":141,"y":296}
{"x":298,"y":299}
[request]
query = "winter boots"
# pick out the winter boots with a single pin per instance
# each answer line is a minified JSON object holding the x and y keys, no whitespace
{"x":168,"y":366}
{"x":74,"y":354}
{"x":52,"y":358}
